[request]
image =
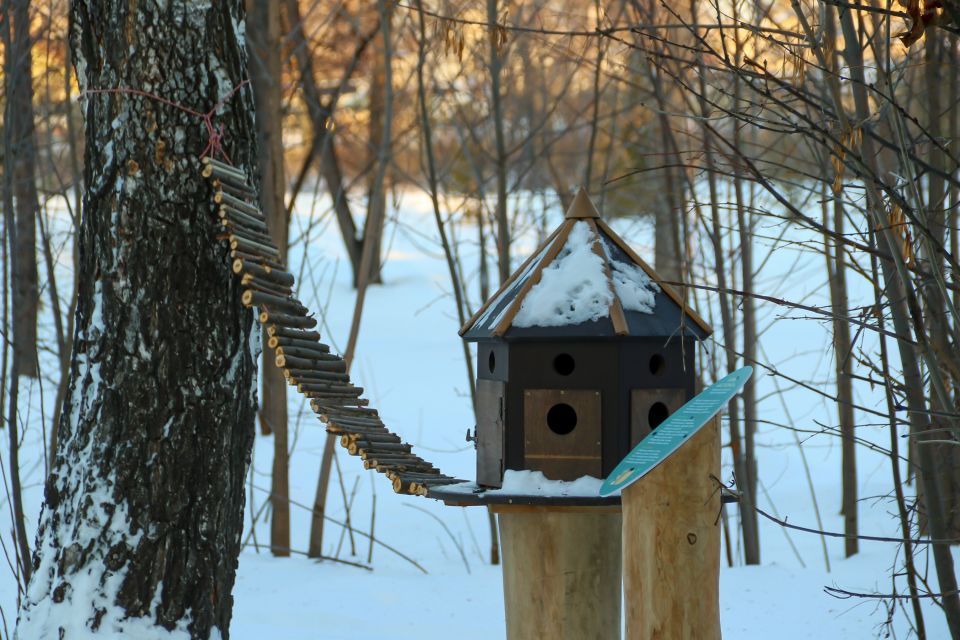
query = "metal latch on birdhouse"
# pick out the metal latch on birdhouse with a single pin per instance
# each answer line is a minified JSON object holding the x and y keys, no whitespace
{"x":472,"y":436}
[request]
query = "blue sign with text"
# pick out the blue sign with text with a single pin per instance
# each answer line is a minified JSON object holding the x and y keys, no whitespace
{"x":674,"y":431}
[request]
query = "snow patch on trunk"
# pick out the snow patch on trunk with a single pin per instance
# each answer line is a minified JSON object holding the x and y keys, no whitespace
{"x":73,"y":592}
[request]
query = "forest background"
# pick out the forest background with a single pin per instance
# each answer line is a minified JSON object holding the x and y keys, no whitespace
{"x":784,"y":164}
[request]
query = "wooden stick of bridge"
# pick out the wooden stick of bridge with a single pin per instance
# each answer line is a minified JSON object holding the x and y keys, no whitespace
{"x":306,"y":362}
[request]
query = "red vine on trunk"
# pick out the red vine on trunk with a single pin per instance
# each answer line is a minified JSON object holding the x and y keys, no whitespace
{"x":215,"y":133}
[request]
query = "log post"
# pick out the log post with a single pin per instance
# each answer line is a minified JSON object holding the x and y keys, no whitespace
{"x":671,"y":545}
{"x":561,"y":572}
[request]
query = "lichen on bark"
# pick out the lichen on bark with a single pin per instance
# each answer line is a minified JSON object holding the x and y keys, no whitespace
{"x":140,"y":529}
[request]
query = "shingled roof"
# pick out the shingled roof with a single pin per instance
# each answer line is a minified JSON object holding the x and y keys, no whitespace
{"x":584,"y":281}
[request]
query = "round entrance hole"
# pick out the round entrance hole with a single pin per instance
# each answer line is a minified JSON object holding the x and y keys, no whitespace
{"x":492,"y":362}
{"x":561,"y":418}
{"x":564,"y":364}
{"x":657,"y":414}
{"x":657,"y":364}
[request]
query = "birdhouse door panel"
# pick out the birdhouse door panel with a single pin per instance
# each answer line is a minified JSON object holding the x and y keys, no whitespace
{"x":490,"y":432}
{"x":562,"y":432}
{"x":650,"y":407}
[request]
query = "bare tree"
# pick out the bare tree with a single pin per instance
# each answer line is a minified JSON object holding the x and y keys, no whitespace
{"x":497,"y":40}
{"x":19,"y":126}
{"x":263,"y":42}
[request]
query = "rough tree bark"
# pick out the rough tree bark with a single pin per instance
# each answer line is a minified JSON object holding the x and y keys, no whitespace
{"x":23,"y":163}
{"x":843,"y":368}
{"x":263,"y":43}
{"x":141,"y":524}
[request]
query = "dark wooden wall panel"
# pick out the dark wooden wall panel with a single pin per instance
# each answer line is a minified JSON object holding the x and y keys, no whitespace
{"x":562,"y":456}
{"x":490,"y":436}
{"x":641,"y":401}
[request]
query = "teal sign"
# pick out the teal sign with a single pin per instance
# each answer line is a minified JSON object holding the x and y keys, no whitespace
{"x":674,"y":431}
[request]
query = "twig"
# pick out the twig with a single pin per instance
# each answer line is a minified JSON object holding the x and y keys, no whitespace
{"x":319,"y":558}
{"x":373,"y":519}
{"x":456,"y":543}
{"x":843,"y":594}
{"x":834,"y":534}
{"x":806,"y":469}
{"x":347,"y":504}
{"x":383,"y":544}
{"x":793,"y":547}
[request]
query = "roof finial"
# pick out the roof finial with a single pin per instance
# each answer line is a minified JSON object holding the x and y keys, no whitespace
{"x":582,"y":206}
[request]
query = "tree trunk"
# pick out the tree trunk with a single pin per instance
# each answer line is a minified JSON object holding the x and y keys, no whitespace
{"x":22,"y":549}
{"x":842,"y":348}
{"x":900,"y":293}
{"x":503,"y":224}
{"x":368,"y":258}
{"x":263,"y":43}
{"x":748,"y":303}
{"x":380,"y":143}
{"x":324,"y":137}
{"x":741,"y":461}
{"x":25,"y":290}
{"x":667,"y":257}
{"x":667,"y":199}
{"x":937,"y":312}
{"x":143,"y":509}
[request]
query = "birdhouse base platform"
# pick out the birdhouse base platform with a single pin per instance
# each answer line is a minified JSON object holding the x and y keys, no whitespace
{"x":470,"y":494}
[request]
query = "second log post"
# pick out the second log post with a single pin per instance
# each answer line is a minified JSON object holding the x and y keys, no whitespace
{"x":671,"y":545}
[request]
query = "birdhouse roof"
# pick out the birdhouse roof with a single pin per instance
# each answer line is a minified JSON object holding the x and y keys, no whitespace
{"x":584,"y":281}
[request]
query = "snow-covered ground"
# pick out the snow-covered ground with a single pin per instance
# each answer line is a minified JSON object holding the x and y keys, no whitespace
{"x":410,"y":361}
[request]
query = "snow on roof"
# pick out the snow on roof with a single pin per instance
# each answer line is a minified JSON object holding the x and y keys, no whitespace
{"x":572,"y":289}
{"x":490,"y":319}
{"x":636,"y":290}
{"x":584,"y":281}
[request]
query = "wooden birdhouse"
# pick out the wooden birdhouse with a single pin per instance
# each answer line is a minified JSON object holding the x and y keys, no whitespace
{"x":581,"y":353}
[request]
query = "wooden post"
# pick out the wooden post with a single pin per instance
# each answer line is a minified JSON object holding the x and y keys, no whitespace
{"x":671,"y":545}
{"x":561,"y":572}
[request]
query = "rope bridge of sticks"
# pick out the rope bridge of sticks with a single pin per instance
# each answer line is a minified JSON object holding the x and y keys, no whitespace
{"x":306,"y":362}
